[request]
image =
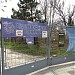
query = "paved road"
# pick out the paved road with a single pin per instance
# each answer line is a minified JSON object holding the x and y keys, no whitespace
{"x":62,"y":69}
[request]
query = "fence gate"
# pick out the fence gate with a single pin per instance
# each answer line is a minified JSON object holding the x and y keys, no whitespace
{"x":23,"y":46}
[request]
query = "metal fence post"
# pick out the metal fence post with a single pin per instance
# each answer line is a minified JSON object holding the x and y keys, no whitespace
{"x":49,"y":44}
{"x":2,"y":51}
{"x":2,"y":55}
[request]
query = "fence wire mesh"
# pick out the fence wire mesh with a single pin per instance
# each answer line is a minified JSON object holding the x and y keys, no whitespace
{"x":17,"y":52}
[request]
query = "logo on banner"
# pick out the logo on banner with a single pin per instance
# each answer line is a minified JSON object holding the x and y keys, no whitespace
{"x":9,"y":27}
{"x":19,"y":32}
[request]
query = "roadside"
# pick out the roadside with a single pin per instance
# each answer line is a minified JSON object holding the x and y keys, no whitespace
{"x":61,"y":69}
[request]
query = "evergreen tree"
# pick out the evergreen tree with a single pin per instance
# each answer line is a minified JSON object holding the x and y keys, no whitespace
{"x":27,"y":11}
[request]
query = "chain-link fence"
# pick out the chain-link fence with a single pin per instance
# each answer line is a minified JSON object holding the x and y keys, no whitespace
{"x":17,"y":52}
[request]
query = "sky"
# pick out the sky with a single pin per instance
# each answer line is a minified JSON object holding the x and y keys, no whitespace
{"x":8,"y":10}
{"x":13,"y":4}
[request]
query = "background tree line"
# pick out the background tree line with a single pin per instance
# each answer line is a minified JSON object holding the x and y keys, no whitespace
{"x":44,"y":11}
{"x":51,"y":12}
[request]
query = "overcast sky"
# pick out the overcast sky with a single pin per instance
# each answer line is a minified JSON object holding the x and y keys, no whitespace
{"x":13,"y":4}
{"x":10,"y":4}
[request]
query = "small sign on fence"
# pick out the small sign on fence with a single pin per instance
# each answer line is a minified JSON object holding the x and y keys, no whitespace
{"x":19,"y":32}
{"x":44,"y":34}
{"x":30,"y":40}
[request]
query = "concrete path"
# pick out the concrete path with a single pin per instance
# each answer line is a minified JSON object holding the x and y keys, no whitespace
{"x":61,"y":69}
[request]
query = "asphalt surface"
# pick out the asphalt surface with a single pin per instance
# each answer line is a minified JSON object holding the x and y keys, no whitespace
{"x":61,"y":69}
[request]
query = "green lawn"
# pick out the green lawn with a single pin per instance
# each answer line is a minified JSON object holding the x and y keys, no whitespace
{"x":36,"y":50}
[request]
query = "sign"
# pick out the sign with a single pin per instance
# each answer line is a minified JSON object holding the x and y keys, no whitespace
{"x":19,"y":32}
{"x":44,"y":34}
{"x":22,"y":28}
{"x":30,"y":40}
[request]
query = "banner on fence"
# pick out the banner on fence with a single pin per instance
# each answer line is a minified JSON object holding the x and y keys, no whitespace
{"x":22,"y":28}
{"x":71,"y":38}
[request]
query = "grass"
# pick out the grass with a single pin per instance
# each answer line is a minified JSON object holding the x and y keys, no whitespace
{"x":28,"y":49}
{"x":60,"y":51}
{"x":36,"y":50}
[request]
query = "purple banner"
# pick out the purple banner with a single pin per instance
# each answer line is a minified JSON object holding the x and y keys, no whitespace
{"x":22,"y":28}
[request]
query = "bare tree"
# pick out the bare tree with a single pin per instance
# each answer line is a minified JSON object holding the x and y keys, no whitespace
{"x":70,"y":16}
{"x":51,"y":8}
{"x":44,"y":8}
{"x":48,"y":10}
{"x":67,"y":17}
